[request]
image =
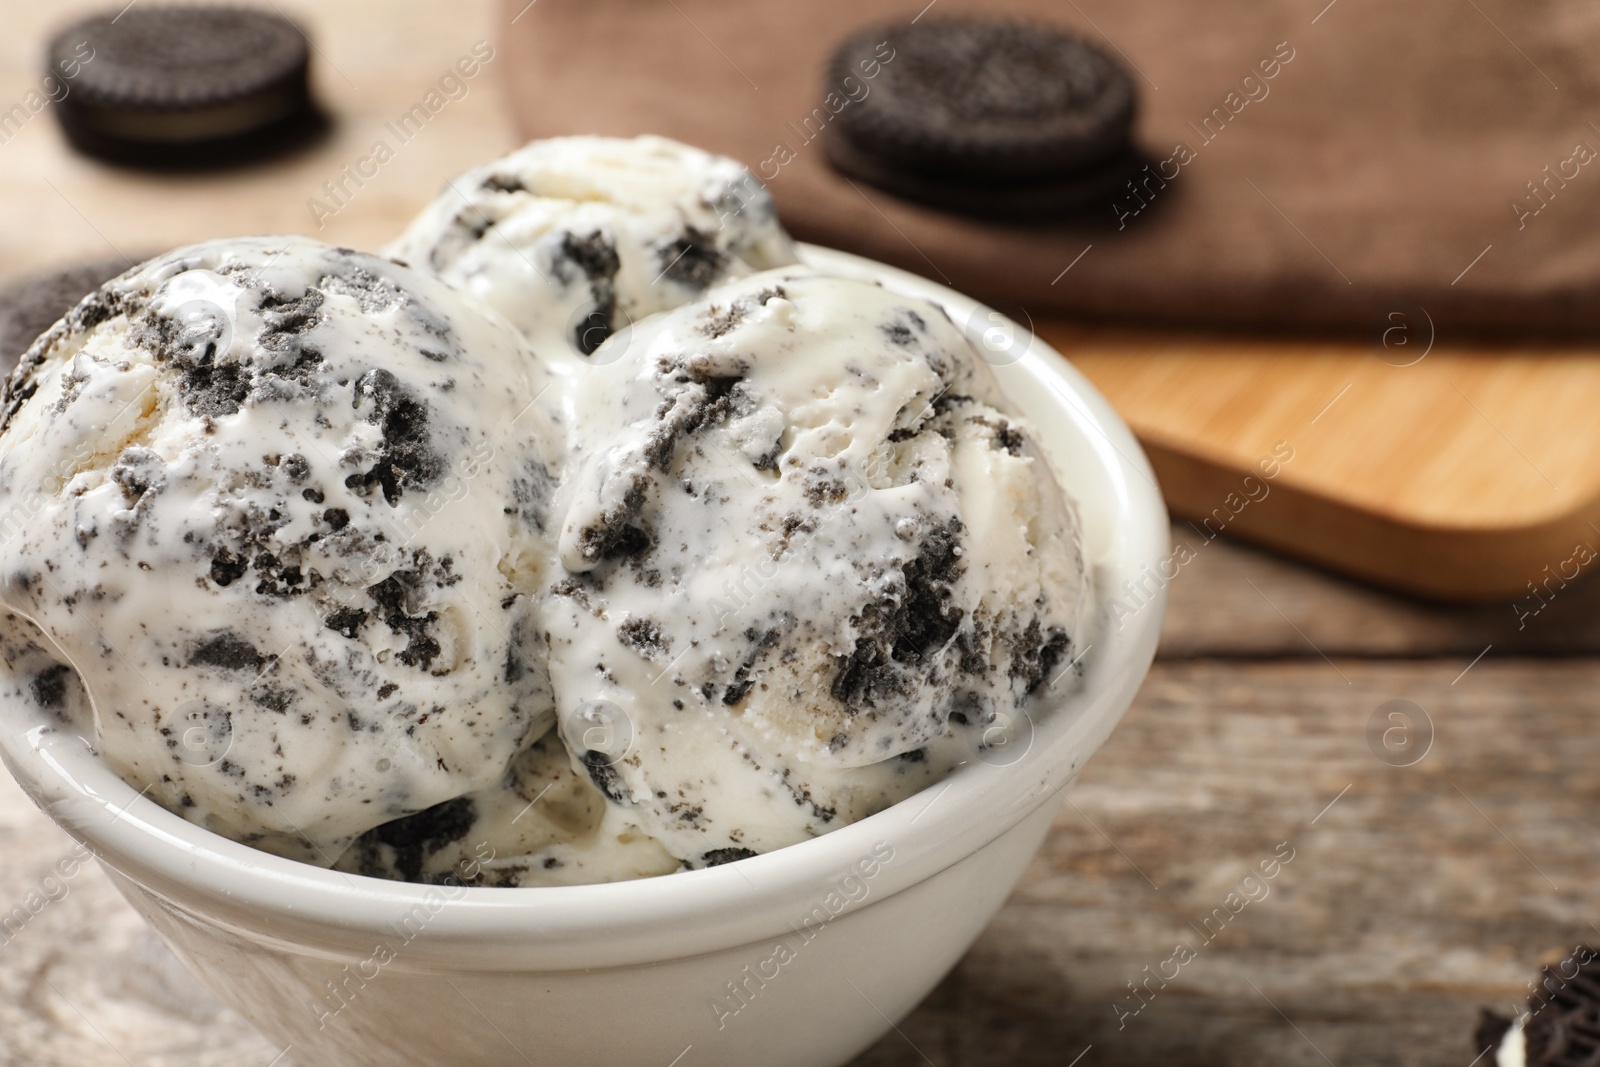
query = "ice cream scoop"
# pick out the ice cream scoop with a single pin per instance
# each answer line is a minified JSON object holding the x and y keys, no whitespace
{"x":812,"y":563}
{"x":573,"y":238}
{"x":279,"y":505}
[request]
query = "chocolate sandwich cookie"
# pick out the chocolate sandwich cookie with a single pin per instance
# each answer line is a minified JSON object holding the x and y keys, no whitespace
{"x":1561,"y":1025}
{"x":29,"y":306}
{"x":983,"y":115}
{"x":183,"y":86}
{"x":995,"y":199}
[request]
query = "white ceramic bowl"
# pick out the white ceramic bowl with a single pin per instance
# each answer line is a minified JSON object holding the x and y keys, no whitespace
{"x":799,"y":957}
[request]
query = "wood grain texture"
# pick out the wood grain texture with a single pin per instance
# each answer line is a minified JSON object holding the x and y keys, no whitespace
{"x":83,"y":981}
{"x":1423,"y":893}
{"x":1462,"y":475}
{"x":1234,"y":601}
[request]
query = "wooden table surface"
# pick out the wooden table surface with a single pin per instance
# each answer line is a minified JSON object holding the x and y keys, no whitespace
{"x":1415,"y":895}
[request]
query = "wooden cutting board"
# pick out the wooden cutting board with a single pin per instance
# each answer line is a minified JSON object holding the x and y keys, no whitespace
{"x":1454,"y":472}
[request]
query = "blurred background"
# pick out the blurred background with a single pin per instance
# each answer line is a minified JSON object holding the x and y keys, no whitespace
{"x":1380,"y":658}
{"x":372,"y":62}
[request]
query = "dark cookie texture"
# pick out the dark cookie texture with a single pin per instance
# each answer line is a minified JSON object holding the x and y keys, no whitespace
{"x":404,"y":845}
{"x":595,"y":257}
{"x":1562,"y":1026}
{"x":184,"y":85}
{"x":30,"y":306}
{"x":984,"y":115}
{"x":1492,"y":1029}
{"x":718,"y":856}
{"x":1071,"y":193}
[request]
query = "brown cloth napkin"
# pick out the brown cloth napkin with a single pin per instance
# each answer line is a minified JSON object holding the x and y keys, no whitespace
{"x":1432,"y":153}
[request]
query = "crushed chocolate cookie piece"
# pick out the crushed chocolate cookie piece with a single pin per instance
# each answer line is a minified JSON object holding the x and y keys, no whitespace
{"x":49,"y":686}
{"x":718,"y":856}
{"x":692,"y":260}
{"x":228,"y":651}
{"x":405,"y":457}
{"x":596,"y":258}
{"x":643,"y":636}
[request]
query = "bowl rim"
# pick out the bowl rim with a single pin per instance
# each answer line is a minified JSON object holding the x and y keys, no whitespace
{"x":294,"y":906}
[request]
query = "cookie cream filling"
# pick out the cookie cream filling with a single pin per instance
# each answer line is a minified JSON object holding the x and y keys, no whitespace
{"x":1513,"y":1050}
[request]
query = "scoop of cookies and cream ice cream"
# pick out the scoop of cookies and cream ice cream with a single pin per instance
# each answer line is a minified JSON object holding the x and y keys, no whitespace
{"x":809,"y":561}
{"x":605,"y":551}
{"x":274,"y":503}
{"x":573,"y":238}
